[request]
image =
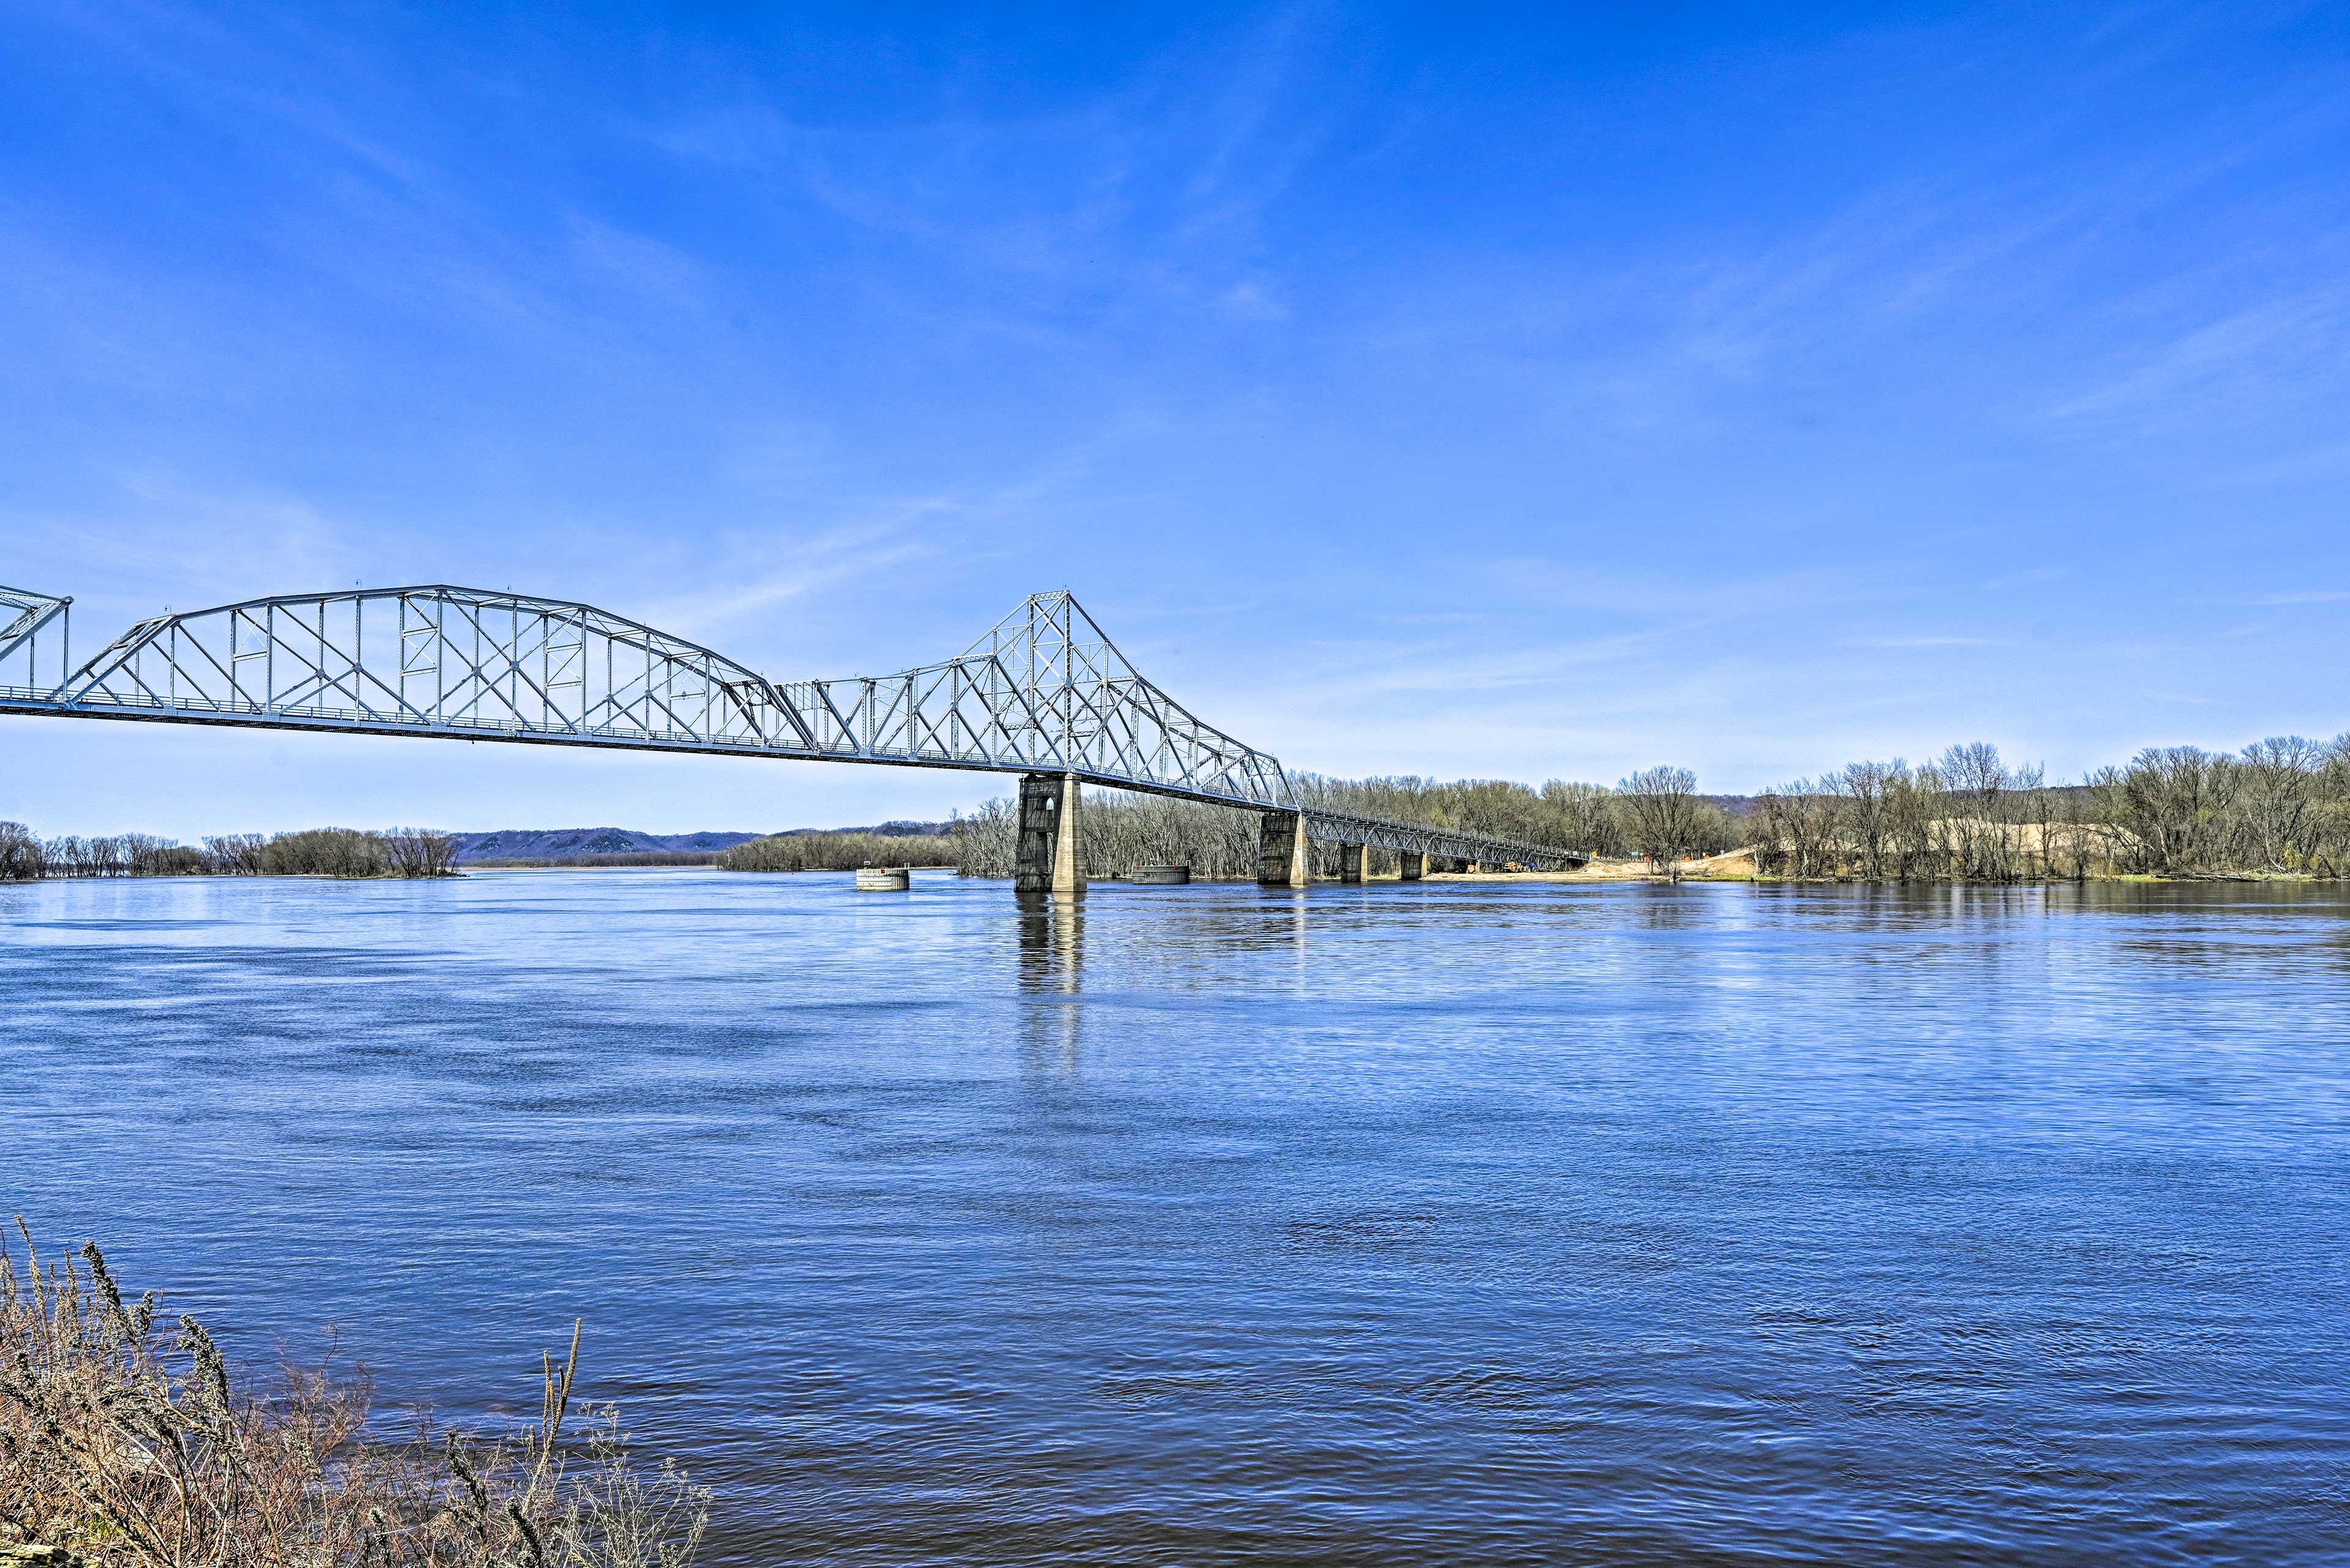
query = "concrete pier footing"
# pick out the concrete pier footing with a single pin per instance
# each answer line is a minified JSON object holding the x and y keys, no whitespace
{"x":1415,"y":866}
{"x":1285,"y":856}
{"x":1047,"y":861}
{"x":1353,"y":863}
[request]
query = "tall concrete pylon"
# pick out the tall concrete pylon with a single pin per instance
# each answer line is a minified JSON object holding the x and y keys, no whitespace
{"x":1047,"y":859}
{"x":1284,"y":854}
{"x":1069,"y":872}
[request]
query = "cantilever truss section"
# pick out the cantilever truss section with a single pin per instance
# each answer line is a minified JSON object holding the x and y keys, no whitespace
{"x":1044,"y":691}
{"x":23,"y":615}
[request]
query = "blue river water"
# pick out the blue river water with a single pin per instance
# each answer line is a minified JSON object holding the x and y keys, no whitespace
{"x":1446,"y":1223}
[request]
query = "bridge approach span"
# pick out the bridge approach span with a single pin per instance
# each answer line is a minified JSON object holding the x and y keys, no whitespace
{"x":1043,"y":694}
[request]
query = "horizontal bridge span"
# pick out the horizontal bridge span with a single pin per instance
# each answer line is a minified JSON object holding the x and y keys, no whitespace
{"x":1416,"y":838}
{"x":1044,"y":691}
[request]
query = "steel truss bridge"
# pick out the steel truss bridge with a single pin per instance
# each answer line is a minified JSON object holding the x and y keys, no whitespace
{"x":1044,"y":692}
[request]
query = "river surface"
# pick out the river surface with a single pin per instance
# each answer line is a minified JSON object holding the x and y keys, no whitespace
{"x":1448,"y":1223}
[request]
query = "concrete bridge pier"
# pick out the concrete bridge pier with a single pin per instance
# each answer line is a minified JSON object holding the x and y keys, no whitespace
{"x":1354,"y":863}
{"x":1047,"y":856}
{"x":1415,"y":864}
{"x":1285,"y":856}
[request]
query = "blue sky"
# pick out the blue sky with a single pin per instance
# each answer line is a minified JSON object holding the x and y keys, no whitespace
{"x":1437,"y":391}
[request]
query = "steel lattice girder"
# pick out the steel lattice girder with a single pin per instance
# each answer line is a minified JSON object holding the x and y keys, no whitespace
{"x":1044,"y":691}
{"x":22,"y":615}
{"x":1412,"y":838}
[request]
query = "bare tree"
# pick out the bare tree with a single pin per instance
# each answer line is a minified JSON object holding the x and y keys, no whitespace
{"x":236,"y":854}
{"x":2279,"y":800}
{"x":1868,"y":789}
{"x":21,"y":857}
{"x":419,"y":852}
{"x":1974,"y":784}
{"x":1662,"y":811}
{"x":1583,"y":816}
{"x":2168,"y":800}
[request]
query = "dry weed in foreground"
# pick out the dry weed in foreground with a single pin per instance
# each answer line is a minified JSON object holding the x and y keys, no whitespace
{"x":121,"y":1447}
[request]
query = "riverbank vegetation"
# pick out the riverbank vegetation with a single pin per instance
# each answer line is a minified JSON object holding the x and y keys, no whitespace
{"x":125,"y":1442}
{"x":2280,"y":806}
{"x":317,"y":852}
{"x":840,"y":852}
{"x":1117,"y":831}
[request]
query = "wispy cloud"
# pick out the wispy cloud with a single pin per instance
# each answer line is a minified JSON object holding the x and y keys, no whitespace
{"x":2237,"y":366}
{"x":762,"y":577}
{"x":1923,"y":641}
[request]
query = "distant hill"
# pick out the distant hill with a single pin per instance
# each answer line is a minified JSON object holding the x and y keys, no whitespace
{"x":585,"y":843}
{"x":881,"y":830}
{"x":565,"y":843}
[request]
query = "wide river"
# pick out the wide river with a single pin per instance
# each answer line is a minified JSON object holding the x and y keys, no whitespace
{"x":1446,"y":1223}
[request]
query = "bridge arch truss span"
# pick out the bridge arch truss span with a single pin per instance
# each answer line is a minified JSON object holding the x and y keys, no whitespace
{"x":451,"y":661}
{"x":24,"y":616}
{"x":1043,"y":691}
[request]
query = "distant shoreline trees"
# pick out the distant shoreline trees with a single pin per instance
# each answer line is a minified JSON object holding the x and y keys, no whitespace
{"x":337,"y":852}
{"x":2280,"y":806}
{"x":1117,"y":832}
{"x":836,"y":852}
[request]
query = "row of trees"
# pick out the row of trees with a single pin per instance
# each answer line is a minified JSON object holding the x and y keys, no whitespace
{"x":839,"y":852}
{"x":1656,"y":813}
{"x":2282,"y":805}
{"x":317,"y":852}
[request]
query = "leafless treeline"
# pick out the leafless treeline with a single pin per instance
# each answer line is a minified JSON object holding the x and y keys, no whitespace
{"x":837,"y":852}
{"x":2280,"y":805}
{"x":317,"y":852}
{"x":1117,"y":831}
{"x":1656,"y":812}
